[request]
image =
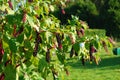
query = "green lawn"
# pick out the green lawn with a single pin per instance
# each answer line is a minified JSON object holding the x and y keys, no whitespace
{"x":108,"y":69}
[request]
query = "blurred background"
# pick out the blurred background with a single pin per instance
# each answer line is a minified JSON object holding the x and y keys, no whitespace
{"x":99,"y":14}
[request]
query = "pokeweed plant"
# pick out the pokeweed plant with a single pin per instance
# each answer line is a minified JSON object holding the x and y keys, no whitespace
{"x":34,"y":44}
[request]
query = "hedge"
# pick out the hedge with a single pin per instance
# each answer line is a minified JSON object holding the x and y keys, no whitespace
{"x":92,"y":32}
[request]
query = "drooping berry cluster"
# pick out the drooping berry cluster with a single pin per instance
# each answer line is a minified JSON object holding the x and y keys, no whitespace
{"x":38,"y":40}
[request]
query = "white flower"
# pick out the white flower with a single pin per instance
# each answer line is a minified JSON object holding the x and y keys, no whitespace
{"x":82,"y":44}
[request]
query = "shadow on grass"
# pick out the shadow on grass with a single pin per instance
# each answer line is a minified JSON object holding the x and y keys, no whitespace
{"x":111,"y":62}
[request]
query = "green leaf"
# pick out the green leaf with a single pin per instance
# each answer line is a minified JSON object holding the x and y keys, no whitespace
{"x":109,"y":44}
{"x":10,"y":72}
{"x":34,"y":60}
{"x":76,"y":47}
{"x":10,"y":19}
{"x":42,"y":64}
{"x":32,"y":24}
{"x":5,"y":42}
{"x":66,"y":48}
{"x":5,"y":38}
{"x":46,"y":8}
{"x":96,"y":44}
{"x":87,"y":45}
{"x":20,"y":38}
{"x":61,"y":57}
{"x":12,"y":45}
{"x":27,"y":45}
{"x":28,"y":31}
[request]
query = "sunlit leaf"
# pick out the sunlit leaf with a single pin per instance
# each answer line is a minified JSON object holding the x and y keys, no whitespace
{"x":32,"y":24}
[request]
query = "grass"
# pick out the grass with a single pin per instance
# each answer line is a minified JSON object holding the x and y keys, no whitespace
{"x":108,"y":69}
{"x":118,"y":44}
